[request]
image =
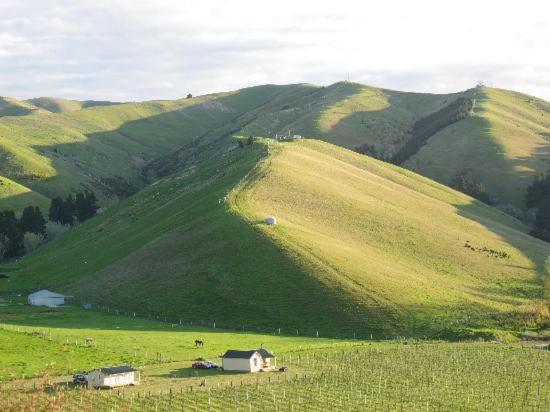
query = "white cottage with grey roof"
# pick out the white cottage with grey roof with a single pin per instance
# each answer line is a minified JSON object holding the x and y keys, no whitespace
{"x":113,"y":376}
{"x":47,"y":298}
{"x":247,"y":360}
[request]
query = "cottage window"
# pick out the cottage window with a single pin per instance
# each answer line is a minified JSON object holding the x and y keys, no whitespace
{"x":255,"y":361}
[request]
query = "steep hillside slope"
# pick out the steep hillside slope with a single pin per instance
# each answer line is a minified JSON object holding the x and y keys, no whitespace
{"x":360,"y":245}
{"x":504,"y":145}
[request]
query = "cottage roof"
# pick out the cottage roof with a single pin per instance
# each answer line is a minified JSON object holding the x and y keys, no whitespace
{"x":247,"y":354}
{"x":45,"y":292}
{"x":265,"y":354}
{"x":115,"y":370}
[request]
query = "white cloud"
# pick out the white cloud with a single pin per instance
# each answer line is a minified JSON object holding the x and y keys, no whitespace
{"x":143,"y":49}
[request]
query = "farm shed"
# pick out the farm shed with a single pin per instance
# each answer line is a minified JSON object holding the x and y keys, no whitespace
{"x":113,"y":377}
{"x":46,"y":298}
{"x":271,"y":220}
{"x":247,"y":360}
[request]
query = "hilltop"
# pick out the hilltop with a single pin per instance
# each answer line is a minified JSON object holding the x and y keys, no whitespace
{"x":57,"y":105}
{"x":14,"y":107}
{"x":360,"y":245}
{"x":50,"y":147}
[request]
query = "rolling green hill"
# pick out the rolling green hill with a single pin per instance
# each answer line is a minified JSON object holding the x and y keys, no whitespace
{"x":503,"y":145}
{"x":13,"y":107}
{"x":360,"y":245}
{"x":54,"y":146}
{"x":57,"y":105}
{"x":105,"y":148}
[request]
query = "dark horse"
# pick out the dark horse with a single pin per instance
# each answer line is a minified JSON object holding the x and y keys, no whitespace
{"x":199,"y":343}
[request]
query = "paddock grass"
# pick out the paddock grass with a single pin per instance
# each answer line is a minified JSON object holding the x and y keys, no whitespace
{"x":40,"y":341}
{"x":375,"y":376}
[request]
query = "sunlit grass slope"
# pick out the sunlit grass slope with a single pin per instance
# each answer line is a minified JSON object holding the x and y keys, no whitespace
{"x":360,"y":245}
{"x":17,"y":197}
{"x":504,"y":145}
{"x":395,"y":241}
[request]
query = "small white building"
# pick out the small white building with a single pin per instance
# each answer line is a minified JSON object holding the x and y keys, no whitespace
{"x":287,"y":136}
{"x":271,"y":220}
{"x":113,"y":377}
{"x":46,"y":298}
{"x":247,"y":360}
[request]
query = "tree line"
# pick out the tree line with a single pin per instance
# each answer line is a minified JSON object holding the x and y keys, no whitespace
{"x":70,"y":210}
{"x":17,"y":233}
{"x":538,"y":196}
{"x":465,"y":184}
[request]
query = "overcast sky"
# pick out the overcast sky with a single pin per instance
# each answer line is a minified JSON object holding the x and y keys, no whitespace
{"x":145,"y":49}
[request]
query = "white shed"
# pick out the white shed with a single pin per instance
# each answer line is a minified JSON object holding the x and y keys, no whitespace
{"x":113,"y":377}
{"x":247,"y":360}
{"x":271,"y":220}
{"x":46,"y":298}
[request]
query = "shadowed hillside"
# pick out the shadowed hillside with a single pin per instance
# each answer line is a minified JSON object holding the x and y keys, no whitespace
{"x":360,"y":245}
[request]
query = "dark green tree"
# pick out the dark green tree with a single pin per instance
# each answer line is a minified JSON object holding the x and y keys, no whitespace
{"x":81,"y":207}
{"x":541,"y":227}
{"x":67,"y":211}
{"x":463,"y":183}
{"x":85,"y":206}
{"x":92,"y":206}
{"x":538,"y":190}
{"x":10,"y":235}
{"x":54,"y":213}
{"x":32,"y":221}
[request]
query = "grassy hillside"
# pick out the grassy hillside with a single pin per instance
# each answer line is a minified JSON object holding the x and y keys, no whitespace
{"x":504,"y":145}
{"x":56,"y":145}
{"x":360,"y":246}
{"x":105,"y":148}
{"x":352,"y":115}
{"x":13,"y":107}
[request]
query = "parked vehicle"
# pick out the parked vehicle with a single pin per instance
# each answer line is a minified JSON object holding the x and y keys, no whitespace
{"x":205,"y":365}
{"x":80,"y":379}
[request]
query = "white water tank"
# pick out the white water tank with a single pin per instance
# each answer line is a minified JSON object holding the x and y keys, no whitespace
{"x":271,"y":220}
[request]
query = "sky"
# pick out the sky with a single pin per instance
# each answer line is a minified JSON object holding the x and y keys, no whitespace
{"x":127,"y":50}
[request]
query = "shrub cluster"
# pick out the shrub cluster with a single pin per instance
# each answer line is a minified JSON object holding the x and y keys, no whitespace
{"x":73,"y":209}
{"x":463,"y":183}
{"x":16,"y":233}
